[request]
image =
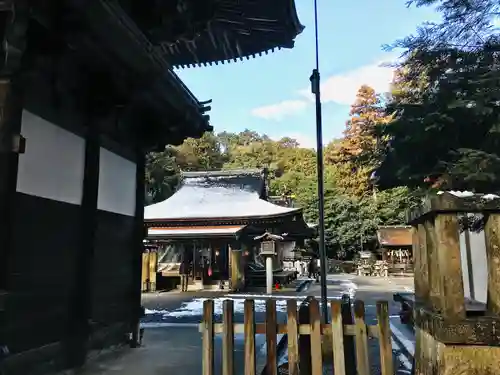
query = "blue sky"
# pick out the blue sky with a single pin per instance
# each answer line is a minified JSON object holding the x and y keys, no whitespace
{"x":269,"y":94}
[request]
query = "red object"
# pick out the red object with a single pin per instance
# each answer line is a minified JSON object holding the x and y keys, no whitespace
{"x":210,"y":271}
{"x":277,"y":286}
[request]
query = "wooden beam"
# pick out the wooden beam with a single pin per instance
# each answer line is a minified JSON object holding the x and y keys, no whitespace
{"x":80,"y":310}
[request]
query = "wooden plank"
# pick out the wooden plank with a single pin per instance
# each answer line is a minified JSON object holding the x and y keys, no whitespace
{"x":293,"y":339}
{"x":492,"y":236}
{"x":361,"y":338}
{"x":303,"y":329}
{"x":271,"y":340}
{"x":386,"y":363}
{"x":450,"y":267}
{"x":316,"y":353}
{"x":228,"y":338}
{"x":337,"y":338}
{"x":208,"y":337}
{"x":349,"y":342}
{"x":249,"y":334}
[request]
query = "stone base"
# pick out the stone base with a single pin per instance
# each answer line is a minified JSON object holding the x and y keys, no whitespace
{"x":435,"y":358}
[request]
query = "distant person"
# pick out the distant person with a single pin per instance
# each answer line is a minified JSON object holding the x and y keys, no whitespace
{"x":184,"y":272}
{"x":311,"y":269}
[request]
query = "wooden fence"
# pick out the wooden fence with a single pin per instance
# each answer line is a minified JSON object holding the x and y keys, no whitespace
{"x":315,"y":329}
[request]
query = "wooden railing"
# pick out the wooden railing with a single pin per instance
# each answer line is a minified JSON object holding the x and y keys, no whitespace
{"x":336,"y":330}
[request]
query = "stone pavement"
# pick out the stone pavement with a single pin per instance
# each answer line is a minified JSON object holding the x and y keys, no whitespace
{"x":164,"y":351}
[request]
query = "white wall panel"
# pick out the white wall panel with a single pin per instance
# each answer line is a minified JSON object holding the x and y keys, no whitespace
{"x":52,"y":166}
{"x":117,"y":181}
{"x":479,"y":267}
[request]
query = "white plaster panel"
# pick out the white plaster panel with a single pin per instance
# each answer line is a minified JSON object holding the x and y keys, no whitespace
{"x":117,"y":182}
{"x":479,"y":265}
{"x":53,"y":164}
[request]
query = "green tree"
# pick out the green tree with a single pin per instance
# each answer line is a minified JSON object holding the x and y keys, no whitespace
{"x":204,"y":153}
{"x":162,"y":175}
{"x":453,"y":127}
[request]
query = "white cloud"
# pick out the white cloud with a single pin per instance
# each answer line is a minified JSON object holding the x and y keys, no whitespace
{"x":342,"y":88}
{"x":280,"y":110}
{"x":304,"y":140}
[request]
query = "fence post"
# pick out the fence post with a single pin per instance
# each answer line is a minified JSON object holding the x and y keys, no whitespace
{"x":349,"y":348}
{"x":305,"y":340}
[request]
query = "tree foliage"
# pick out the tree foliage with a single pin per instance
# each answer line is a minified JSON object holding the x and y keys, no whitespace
{"x":445,"y":103}
{"x":352,"y":210}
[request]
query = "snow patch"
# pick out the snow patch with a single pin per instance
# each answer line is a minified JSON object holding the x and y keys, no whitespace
{"x":461,"y":194}
{"x":490,"y":197}
{"x":195,"y":307}
{"x":349,"y":288}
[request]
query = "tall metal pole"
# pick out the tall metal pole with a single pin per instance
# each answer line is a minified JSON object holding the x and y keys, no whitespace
{"x":315,"y":88}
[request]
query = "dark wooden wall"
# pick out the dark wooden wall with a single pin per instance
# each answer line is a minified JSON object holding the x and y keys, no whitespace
{"x":73,"y":268}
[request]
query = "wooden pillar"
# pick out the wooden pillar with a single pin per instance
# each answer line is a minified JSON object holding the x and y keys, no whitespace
{"x":80,"y":309}
{"x":153,"y":263}
{"x":138,"y":248}
{"x":236,"y":268}
{"x":145,"y":272}
{"x":17,"y":51}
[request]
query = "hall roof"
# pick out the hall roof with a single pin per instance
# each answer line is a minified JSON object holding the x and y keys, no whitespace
{"x":193,"y":32}
{"x":235,"y":194}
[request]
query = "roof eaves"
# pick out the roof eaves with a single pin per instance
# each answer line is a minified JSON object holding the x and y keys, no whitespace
{"x":224,"y":173}
{"x":227,"y":218}
{"x":111,"y":15}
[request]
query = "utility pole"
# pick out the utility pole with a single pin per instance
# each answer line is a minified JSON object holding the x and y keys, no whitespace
{"x":315,"y":89}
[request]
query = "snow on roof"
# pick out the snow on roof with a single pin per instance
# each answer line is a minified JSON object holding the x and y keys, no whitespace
{"x":224,"y":194}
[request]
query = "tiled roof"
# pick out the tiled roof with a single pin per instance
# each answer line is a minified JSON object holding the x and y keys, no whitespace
{"x":217,"y":195}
